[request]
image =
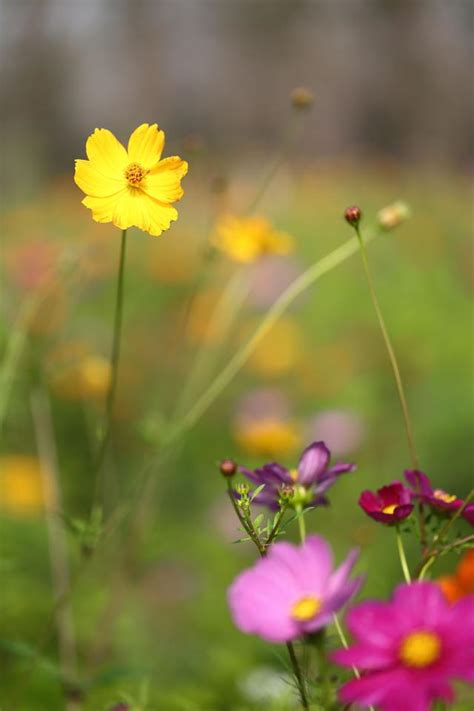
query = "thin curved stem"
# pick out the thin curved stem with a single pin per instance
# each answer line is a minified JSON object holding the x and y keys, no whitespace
{"x":222,"y":380}
{"x":114,"y":361}
{"x":391,"y":353}
{"x":402,"y":556}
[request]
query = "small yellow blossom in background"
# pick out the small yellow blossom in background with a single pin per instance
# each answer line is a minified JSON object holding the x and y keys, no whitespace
{"x":21,"y":486}
{"x":245,"y":239}
{"x":131,"y":187}
{"x":86,"y":378}
{"x":279,"y":351}
{"x":267,"y":437}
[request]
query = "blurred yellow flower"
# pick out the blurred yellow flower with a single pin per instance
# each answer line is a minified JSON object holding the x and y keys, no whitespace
{"x":267,"y":436}
{"x":21,"y":485}
{"x":133,"y":187}
{"x":279,"y":351}
{"x":245,"y":239}
{"x":85,"y":379}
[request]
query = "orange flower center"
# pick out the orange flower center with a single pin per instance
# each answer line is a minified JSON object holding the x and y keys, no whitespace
{"x":444,"y":496}
{"x":135,"y":174}
{"x":305,"y":608}
{"x":420,"y":649}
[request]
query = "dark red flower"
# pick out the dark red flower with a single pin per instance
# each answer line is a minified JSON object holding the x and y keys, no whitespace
{"x":390,"y":504}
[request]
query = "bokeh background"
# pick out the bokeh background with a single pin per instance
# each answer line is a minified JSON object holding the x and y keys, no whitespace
{"x":392,"y":119}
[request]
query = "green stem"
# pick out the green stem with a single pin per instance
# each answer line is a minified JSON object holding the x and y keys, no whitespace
{"x":276,"y":526}
{"x":390,"y":351}
{"x":396,"y":373}
{"x":115,"y":357}
{"x":222,"y":380}
{"x":298,"y":675}
{"x":301,"y":524}
{"x":431,"y":555}
{"x":402,"y":556}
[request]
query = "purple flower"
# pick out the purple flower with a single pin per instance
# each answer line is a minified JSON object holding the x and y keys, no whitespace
{"x":292,"y":591}
{"x":390,"y":504}
{"x":310,"y":480}
{"x":409,"y":650}
{"x":438,"y":499}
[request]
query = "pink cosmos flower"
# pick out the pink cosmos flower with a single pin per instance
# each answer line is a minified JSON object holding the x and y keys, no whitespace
{"x":438,"y":499}
{"x":292,"y":591}
{"x":390,"y":504}
{"x":408,"y":650}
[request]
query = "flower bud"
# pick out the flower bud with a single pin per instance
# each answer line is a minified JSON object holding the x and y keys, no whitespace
{"x":353,"y":215}
{"x":302,"y":98}
{"x":228,"y":467}
{"x":243,"y":489}
{"x":393,"y":215}
{"x":286,"y":492}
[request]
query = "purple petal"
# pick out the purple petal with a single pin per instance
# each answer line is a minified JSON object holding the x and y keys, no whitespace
{"x":313,"y":462}
{"x":341,"y":468}
{"x":468,"y":514}
{"x":419,"y":482}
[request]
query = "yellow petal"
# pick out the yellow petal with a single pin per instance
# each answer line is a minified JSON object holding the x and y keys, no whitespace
{"x":92,"y":182}
{"x":145,"y":145}
{"x":103,"y":208}
{"x":164,"y":181}
{"x":106,"y":153}
{"x":157,"y":216}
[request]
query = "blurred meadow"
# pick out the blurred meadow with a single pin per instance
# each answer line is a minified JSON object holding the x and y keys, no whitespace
{"x":150,"y":550}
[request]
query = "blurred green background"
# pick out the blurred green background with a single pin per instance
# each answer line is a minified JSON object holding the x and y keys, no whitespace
{"x":390,"y":121}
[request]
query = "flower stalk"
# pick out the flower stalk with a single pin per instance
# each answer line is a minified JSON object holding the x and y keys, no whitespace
{"x":115,"y":358}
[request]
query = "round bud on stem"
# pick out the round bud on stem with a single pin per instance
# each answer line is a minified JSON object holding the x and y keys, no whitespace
{"x":353,"y":215}
{"x":302,"y":98}
{"x":228,"y":467}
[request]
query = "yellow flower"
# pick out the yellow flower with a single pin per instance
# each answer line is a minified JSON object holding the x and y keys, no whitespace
{"x":245,"y":239}
{"x":279,"y":351}
{"x":21,"y":486}
{"x":132,"y":187}
{"x":267,"y":437}
{"x":81,"y":375}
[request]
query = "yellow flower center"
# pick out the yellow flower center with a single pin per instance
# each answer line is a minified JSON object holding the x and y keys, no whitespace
{"x":444,"y":496}
{"x":135,"y":174}
{"x":305,"y":609}
{"x":420,"y":649}
{"x":389,"y":509}
{"x":294,"y":474}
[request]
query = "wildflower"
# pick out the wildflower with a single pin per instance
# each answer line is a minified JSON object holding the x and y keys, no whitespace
{"x":438,"y":499}
{"x":393,"y":215}
{"x":409,"y":650}
{"x":390,"y":504}
{"x":292,"y":591}
{"x":21,"y":485}
{"x":245,"y":239}
{"x":342,"y":430}
{"x":461,"y":583}
{"x":268,"y":435}
{"x":310,"y":480}
{"x":132,"y":187}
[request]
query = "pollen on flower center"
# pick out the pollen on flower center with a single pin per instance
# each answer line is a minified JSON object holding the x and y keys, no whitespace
{"x":444,"y":496}
{"x":420,"y":649}
{"x":389,"y":509}
{"x":305,"y":608}
{"x":135,"y":174}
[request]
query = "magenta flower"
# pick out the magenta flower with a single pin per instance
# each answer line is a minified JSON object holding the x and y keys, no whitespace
{"x":409,"y":650}
{"x":390,"y":504}
{"x":310,"y":480}
{"x":292,"y":591}
{"x":438,"y":499}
